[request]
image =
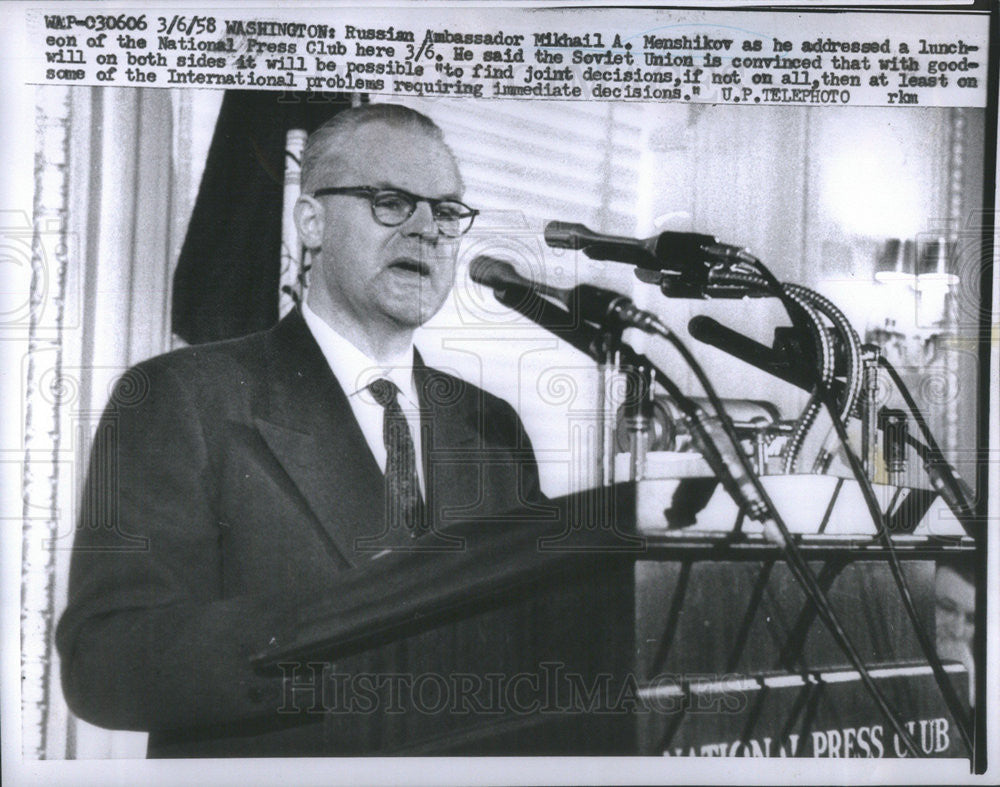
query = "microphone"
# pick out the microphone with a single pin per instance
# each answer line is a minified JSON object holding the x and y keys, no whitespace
{"x":501,"y":275}
{"x":606,"y":308}
{"x":720,"y":454}
{"x":779,"y":363}
{"x":585,"y":305}
{"x":674,"y":251}
{"x":524,"y":296}
{"x":616,"y":248}
{"x":717,"y":335}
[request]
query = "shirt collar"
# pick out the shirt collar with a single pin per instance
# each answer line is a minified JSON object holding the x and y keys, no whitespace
{"x":353,"y":368}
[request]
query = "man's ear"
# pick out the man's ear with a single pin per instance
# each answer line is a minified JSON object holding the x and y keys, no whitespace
{"x":308,"y":215}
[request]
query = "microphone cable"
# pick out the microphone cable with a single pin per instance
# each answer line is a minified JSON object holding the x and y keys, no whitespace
{"x":797,"y":564}
{"x":960,"y":506}
{"x":793,"y":555}
{"x":814,"y":304}
{"x":868,"y":493}
{"x":824,"y":349}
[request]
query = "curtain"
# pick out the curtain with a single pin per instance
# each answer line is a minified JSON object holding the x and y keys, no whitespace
{"x":106,"y":228}
{"x":115,"y":172}
{"x":227,"y":277}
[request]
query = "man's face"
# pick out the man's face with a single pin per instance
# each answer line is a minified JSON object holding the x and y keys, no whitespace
{"x":955,"y":621}
{"x":385,"y":278}
{"x":956,"y":607}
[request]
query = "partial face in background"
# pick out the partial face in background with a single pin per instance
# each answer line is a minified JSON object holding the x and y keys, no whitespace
{"x":956,"y":606}
{"x":955,"y":620}
{"x":375,"y":278}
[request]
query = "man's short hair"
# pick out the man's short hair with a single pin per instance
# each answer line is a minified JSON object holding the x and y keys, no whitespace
{"x":963,"y":568}
{"x":325,"y":144}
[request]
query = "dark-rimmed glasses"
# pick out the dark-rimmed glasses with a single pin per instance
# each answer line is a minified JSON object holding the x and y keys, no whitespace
{"x":392,"y":207}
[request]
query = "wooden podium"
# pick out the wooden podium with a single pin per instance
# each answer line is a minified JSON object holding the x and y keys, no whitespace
{"x":592,"y":626}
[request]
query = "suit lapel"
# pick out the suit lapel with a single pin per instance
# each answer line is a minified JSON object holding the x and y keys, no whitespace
{"x":450,"y":436}
{"x":310,"y":428}
{"x":308,"y":424}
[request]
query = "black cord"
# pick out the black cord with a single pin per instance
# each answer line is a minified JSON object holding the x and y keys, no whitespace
{"x":586,"y":342}
{"x":930,"y":651}
{"x":962,"y":506}
{"x":798,"y":565}
{"x":868,"y":493}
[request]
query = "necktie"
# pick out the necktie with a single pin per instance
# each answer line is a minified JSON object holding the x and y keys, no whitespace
{"x":403,"y":505}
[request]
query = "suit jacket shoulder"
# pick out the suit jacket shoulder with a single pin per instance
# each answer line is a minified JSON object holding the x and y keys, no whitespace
{"x":228,"y":483}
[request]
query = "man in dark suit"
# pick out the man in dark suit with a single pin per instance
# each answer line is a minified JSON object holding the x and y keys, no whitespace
{"x":230,"y":482}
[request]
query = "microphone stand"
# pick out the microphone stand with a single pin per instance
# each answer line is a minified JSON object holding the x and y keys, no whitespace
{"x":609,"y":374}
{"x":589,"y":342}
{"x":638,"y":418}
{"x":825,"y":395}
{"x":707,"y":273}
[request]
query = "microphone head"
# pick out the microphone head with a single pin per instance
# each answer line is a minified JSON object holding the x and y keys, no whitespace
{"x":565,"y":235}
{"x":684,"y":248}
{"x":495,"y":273}
{"x":702,"y":327}
{"x":595,"y":303}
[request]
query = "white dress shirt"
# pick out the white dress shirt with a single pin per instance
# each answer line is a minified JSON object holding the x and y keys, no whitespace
{"x":354,"y":371}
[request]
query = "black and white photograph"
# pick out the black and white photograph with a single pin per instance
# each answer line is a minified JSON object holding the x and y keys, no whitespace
{"x":499,"y":393}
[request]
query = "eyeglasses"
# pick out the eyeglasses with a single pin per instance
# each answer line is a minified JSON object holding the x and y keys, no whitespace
{"x":391,"y":207}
